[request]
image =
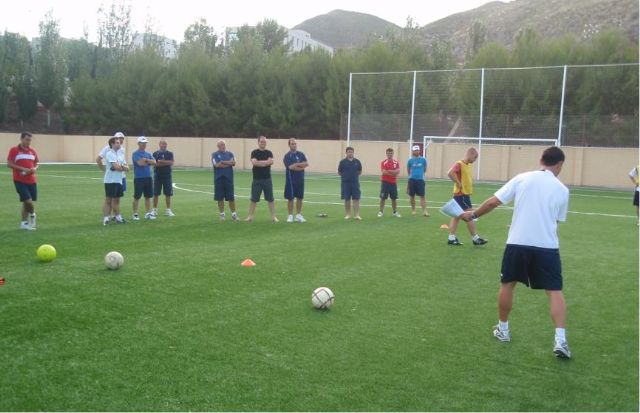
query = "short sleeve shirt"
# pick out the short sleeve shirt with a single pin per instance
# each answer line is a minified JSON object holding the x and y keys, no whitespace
{"x":349,"y":170}
{"x":25,"y":157}
{"x":540,"y":202}
{"x":389,"y":165}
{"x":162,"y":171}
{"x":417,"y":166}
{"x":263,"y":172}
{"x":289,"y":159}
{"x":141,"y":171}
{"x":113,"y":177}
{"x":218,"y":157}
{"x":634,"y":174}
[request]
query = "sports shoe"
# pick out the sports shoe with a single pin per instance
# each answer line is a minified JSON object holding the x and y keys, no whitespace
{"x":275,"y":219}
{"x":358,"y":218}
{"x":479,"y":241}
{"x":154,"y":211}
{"x":454,"y":242}
{"x":347,"y":217}
{"x":223,"y":216}
{"x":149,"y":215}
{"x":561,"y":350}
{"x":121,"y":221}
{"x":290,"y":219}
{"x":105,"y":221}
{"x":380,"y":214}
{"x":397,"y":214}
{"x":501,"y":335}
{"x":136,"y":217}
{"x":426,"y":214}
{"x":234,"y":216}
{"x":26,"y":226}
{"x":300,"y":218}
{"x":169,"y":213}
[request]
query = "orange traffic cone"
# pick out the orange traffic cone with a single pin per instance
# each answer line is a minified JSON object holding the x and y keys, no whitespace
{"x":248,"y":263}
{"x":444,"y":226}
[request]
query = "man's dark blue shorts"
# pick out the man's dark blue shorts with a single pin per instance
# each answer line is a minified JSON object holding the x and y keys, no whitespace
{"x":162,"y":184}
{"x":293,"y":190}
{"x":26,"y":191}
{"x":350,"y":190}
{"x":464,"y":201}
{"x":538,"y":268}
{"x":388,"y":190}
{"x":416,"y":187}
{"x":223,"y":190}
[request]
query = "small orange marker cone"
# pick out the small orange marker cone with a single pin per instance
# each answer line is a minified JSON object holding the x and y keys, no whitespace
{"x":248,"y":263}
{"x":444,"y":226}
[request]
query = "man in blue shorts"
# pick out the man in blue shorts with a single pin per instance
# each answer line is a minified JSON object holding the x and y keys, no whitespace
{"x":532,"y":254}
{"x":416,"y":168}
{"x":261,"y":159}
{"x":23,"y":160}
{"x":223,"y":162}
{"x":350,"y":170}
{"x":294,"y":163}
{"x":390,"y":169}
{"x":142,"y":181}
{"x":162,"y":178}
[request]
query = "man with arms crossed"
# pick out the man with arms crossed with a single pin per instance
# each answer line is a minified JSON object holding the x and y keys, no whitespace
{"x":532,"y":254}
{"x":389,"y":183}
{"x":262,"y":159}
{"x":162,"y":178}
{"x":461,"y":175}
{"x":416,"y":168}
{"x":102,"y":156}
{"x":142,"y":181}
{"x":115,"y":168}
{"x":23,"y":160}
{"x":295,"y":163}
{"x":350,"y":170}
{"x":223,"y":162}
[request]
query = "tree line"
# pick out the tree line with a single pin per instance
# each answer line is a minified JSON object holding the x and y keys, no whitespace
{"x":252,"y":85}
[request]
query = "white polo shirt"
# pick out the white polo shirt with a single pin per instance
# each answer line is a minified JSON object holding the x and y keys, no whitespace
{"x":121,"y":152}
{"x":113,"y":177}
{"x":541,"y":201}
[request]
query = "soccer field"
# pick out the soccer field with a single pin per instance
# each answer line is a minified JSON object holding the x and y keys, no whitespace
{"x":182,"y":326}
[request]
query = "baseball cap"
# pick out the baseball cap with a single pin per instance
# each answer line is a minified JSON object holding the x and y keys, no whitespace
{"x":415,"y":148}
{"x":118,"y":135}
{"x":142,"y":139}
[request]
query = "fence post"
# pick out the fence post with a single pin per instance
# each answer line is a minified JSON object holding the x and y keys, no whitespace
{"x":480,"y":127}
{"x":413,"y":111}
{"x":564,"y":83}
{"x":349,"y":114}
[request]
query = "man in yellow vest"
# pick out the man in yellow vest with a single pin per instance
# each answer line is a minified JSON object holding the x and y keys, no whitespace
{"x":461,"y":175}
{"x":634,"y":175}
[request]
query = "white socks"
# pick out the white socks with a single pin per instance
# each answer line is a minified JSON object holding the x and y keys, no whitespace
{"x":503,"y":325}
{"x":560,"y":335}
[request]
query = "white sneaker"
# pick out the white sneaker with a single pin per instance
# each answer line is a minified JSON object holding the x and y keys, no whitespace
{"x":300,"y":218}
{"x":105,"y":221}
{"x":149,"y":215}
{"x":347,"y":217}
{"x":397,"y":214}
{"x":357,"y":218}
{"x":234,"y":216}
{"x":169,"y":213}
{"x":136,"y":217}
{"x":290,"y":219}
{"x":25,"y":225}
{"x":223,"y":216}
{"x":380,"y":214}
{"x":502,"y":335}
{"x":154,"y":212}
{"x":561,"y":349}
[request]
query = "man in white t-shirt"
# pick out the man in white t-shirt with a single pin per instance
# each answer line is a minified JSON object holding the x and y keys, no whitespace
{"x":532,"y":254}
{"x":102,"y":157}
{"x":634,"y":175}
{"x":115,"y":167}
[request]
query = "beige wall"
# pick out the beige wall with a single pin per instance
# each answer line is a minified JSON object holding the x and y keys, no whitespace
{"x":605,"y":167}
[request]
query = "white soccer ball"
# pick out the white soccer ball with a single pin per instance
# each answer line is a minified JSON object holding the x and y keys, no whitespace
{"x":114,"y":260}
{"x":322,"y":298}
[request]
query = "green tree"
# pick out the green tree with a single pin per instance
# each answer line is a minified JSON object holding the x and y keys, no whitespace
{"x":50,"y":67}
{"x":202,"y":36}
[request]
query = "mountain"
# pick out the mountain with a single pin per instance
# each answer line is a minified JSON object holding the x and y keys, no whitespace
{"x":550,"y":18}
{"x":345,"y":29}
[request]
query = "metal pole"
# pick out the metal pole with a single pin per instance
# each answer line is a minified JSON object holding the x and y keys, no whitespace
{"x":564,"y":83}
{"x":480,"y":127}
{"x":413,"y":111}
{"x":349,"y":114}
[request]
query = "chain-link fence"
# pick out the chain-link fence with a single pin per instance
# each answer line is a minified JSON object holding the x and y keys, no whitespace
{"x":594,"y":105}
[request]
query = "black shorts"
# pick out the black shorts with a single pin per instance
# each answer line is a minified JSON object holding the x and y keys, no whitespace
{"x":538,"y":268}
{"x":262,"y":185}
{"x":293,"y":190}
{"x":142,"y":186}
{"x":635,"y":198}
{"x":26,"y":191}
{"x":162,"y":184}
{"x":388,"y":190}
{"x":350,"y":190}
{"x":415,"y":187}
{"x":113,"y":190}
{"x":223,"y":190}
{"x":464,"y":201}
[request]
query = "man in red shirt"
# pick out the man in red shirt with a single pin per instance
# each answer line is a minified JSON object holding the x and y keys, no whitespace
{"x":23,"y":159}
{"x":389,"y":188}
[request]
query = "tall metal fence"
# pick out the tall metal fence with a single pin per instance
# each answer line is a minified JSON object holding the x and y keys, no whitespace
{"x":595,"y":105}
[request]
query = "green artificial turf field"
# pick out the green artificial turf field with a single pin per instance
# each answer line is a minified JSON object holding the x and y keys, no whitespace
{"x":182,"y":326}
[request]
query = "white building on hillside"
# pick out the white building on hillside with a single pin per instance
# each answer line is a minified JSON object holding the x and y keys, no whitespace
{"x":299,"y":40}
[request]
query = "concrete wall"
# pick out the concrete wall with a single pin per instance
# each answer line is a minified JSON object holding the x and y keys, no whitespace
{"x":602,"y":167}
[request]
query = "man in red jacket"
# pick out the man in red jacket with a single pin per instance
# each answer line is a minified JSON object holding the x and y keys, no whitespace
{"x":23,"y":159}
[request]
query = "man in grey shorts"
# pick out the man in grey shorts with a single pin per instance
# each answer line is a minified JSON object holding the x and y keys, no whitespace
{"x":262,"y":159}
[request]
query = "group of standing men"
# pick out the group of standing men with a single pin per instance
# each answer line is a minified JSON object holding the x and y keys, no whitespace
{"x":112,"y":160}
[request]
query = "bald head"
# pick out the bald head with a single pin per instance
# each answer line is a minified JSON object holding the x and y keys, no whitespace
{"x":471,"y":155}
{"x":222,"y":145}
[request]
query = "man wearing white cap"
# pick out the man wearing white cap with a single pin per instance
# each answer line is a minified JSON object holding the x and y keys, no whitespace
{"x":102,"y":156}
{"x":416,"y":169}
{"x":142,"y":181}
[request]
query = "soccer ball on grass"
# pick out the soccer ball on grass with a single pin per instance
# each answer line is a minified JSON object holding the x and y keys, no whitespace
{"x":114,"y":260}
{"x":322,"y":298}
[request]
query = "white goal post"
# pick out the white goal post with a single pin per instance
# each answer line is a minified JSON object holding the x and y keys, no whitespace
{"x":428,"y":140}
